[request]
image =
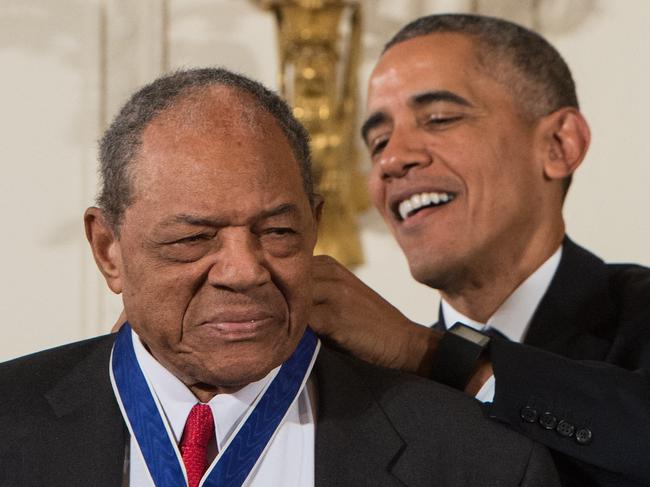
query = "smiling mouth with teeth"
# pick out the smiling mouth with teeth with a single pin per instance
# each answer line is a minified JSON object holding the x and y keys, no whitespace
{"x":416,"y":202}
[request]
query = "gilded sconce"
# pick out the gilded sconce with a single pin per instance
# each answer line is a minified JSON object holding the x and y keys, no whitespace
{"x":319,"y":47}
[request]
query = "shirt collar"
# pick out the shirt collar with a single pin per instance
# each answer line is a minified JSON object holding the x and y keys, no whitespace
{"x":177,"y":400}
{"x":513,"y":316}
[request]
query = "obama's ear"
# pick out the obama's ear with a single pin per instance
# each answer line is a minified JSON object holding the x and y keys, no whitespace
{"x":105,"y":247}
{"x":565,"y":140}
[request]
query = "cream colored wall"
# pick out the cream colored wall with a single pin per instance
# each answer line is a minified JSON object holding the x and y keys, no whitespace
{"x":68,"y":64}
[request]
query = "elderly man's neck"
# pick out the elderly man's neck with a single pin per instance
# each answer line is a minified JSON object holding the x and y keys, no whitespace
{"x":202,"y":391}
{"x":479,"y":295}
{"x":205,"y":392}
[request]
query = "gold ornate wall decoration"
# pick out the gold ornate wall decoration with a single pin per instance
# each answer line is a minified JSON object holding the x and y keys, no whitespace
{"x":319,"y":48}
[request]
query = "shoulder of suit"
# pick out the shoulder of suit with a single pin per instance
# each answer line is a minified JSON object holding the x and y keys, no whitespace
{"x":629,"y":288}
{"x":426,"y":401}
{"x":425,"y":412}
{"x":29,"y":376}
{"x":621,"y":274}
{"x":627,"y":284}
{"x":386,"y":383}
{"x":631,"y":277}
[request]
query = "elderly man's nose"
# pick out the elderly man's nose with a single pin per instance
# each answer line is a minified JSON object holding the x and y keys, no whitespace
{"x":239,"y":265}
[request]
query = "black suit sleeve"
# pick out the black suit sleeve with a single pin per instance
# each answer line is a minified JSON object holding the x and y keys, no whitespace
{"x":588,"y":412}
{"x":581,"y":382}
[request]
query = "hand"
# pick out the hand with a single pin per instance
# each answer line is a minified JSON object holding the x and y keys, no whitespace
{"x":359,"y":321}
{"x":120,"y":321}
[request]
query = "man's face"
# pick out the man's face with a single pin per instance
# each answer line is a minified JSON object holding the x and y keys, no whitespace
{"x":216,"y":247}
{"x":454,"y":173}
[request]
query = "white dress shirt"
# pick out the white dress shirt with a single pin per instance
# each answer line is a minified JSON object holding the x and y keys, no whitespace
{"x":289,"y":458}
{"x":513,"y":317}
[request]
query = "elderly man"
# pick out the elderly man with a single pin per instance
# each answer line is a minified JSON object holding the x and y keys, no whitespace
{"x":206,"y":226}
{"x":474,"y":132}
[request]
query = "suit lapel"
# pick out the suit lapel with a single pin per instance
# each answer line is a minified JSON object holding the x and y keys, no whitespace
{"x":89,"y":434}
{"x":572,"y":318}
{"x":355,"y":441}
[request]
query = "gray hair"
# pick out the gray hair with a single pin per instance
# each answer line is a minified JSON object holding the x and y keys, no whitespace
{"x":122,"y":140}
{"x":521,"y":59}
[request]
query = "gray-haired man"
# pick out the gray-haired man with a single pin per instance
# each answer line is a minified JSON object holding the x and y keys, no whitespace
{"x":206,"y":225}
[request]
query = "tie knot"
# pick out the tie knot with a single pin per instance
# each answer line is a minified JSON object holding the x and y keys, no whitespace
{"x":199,"y":427}
{"x":199,"y":430}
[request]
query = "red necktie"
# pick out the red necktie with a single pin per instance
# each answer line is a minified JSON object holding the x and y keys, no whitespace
{"x":198,"y":431}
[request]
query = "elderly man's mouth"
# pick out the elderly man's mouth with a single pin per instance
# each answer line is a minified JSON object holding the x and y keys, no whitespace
{"x":238,"y":328}
{"x":419,"y":201}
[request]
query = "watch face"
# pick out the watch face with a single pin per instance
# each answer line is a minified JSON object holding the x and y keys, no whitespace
{"x":470,"y":334}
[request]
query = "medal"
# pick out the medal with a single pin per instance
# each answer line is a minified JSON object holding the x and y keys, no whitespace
{"x":143,"y":416}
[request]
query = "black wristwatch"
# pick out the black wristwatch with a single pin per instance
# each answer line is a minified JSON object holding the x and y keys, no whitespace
{"x":457,"y":356}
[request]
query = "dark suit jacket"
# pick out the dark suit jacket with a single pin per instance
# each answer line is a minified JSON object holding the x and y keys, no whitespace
{"x":61,"y":427}
{"x":586,"y":361}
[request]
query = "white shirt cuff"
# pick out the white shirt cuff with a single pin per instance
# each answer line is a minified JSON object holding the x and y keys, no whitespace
{"x":486,"y":392}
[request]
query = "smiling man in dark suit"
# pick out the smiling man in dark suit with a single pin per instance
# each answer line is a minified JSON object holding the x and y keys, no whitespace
{"x":474,"y":132}
{"x":206,"y":225}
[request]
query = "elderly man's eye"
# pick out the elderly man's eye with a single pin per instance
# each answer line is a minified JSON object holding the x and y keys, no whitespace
{"x":280,"y":241}
{"x":190,"y":240}
{"x":280,"y":231}
{"x":185,"y":249}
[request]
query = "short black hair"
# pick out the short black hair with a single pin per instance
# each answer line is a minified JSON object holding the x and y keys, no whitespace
{"x":122,"y":140}
{"x":521,"y":59}
{"x":540,"y":78}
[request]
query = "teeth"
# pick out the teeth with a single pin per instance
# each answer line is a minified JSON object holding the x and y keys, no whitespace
{"x":405,"y":208}
{"x":417,"y":201}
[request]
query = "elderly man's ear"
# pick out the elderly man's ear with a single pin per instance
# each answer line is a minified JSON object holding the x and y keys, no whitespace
{"x":105,"y":247}
{"x":319,"y":202}
{"x":317,"y":213}
{"x":565,"y":139}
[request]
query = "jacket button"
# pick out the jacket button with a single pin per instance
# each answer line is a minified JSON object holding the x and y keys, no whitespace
{"x":548,"y":421}
{"x":529,"y":414}
{"x":584,"y":436}
{"x":564,"y":428}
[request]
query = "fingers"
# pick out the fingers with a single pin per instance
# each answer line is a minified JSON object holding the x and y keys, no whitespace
{"x":120,"y":321}
{"x":326,"y":268}
{"x":330,"y":280}
{"x":320,"y":319}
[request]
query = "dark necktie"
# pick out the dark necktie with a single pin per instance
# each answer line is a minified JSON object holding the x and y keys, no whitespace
{"x":494,"y":333}
{"x":198,"y":431}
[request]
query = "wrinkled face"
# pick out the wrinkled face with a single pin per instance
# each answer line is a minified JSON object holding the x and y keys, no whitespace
{"x":453,"y":167}
{"x":216,"y":248}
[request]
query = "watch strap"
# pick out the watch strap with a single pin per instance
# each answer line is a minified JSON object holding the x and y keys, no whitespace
{"x":457,"y":356}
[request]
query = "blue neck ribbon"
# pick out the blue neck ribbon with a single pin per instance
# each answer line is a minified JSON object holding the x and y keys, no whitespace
{"x":144,"y":417}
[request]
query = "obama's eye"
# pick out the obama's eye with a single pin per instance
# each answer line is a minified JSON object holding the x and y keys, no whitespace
{"x":437,"y":121}
{"x":377,"y":145}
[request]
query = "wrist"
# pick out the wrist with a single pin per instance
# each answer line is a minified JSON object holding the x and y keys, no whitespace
{"x":461,"y":359}
{"x":419,"y":351}
{"x":481,"y":375}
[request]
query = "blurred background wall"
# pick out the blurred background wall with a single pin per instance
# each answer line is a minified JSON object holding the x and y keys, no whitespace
{"x":67,"y":66}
